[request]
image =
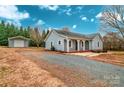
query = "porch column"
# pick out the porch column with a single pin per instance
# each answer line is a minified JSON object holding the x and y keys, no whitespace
{"x":78,"y":45}
{"x":84,"y":45}
{"x":67,"y":45}
{"x":89,"y":45}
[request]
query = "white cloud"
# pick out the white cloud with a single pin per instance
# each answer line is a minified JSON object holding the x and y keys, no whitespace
{"x":74,"y":26}
{"x":49,"y":7}
{"x":12,"y":14}
{"x":92,"y":20}
{"x":68,"y":12}
{"x":80,"y":7}
{"x":84,"y":18}
{"x":99,"y":15}
{"x":40,"y":22}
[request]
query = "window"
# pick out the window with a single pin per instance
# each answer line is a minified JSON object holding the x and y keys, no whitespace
{"x":98,"y":44}
{"x":59,"y":42}
{"x":51,"y":44}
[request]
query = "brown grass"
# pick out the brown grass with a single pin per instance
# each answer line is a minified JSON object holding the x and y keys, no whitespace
{"x":16,"y":70}
{"x":116,"y":58}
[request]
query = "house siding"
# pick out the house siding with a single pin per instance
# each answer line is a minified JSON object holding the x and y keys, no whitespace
{"x":54,"y":38}
{"x":95,"y":43}
{"x":26,"y":43}
{"x":90,"y":45}
{"x":11,"y":43}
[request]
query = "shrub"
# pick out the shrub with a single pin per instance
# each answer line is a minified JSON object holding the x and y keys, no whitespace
{"x":104,"y":51}
{"x":53,"y":48}
{"x":99,"y":51}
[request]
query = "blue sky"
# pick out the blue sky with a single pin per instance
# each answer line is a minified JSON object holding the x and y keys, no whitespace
{"x":81,"y":19}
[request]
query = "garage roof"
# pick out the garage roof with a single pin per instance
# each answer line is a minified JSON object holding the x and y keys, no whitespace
{"x":19,"y":37}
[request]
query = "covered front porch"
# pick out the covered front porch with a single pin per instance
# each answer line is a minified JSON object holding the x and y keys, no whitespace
{"x":74,"y":45}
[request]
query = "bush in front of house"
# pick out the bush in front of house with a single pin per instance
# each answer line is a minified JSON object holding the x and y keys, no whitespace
{"x":99,"y":51}
{"x":53,"y":48}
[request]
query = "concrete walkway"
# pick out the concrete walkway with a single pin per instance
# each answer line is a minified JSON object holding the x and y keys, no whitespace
{"x":85,"y":54}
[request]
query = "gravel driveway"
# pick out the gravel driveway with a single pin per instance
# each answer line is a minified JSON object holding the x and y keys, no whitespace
{"x":113,"y":74}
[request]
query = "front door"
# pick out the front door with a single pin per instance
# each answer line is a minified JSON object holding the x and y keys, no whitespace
{"x":86,"y":45}
{"x":76,"y":45}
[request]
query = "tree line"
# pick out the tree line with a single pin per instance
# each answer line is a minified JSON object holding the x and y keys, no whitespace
{"x":112,"y":41}
{"x":8,"y":30}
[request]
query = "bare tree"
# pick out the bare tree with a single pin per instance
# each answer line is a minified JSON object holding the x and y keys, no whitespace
{"x":113,"y":18}
{"x":112,"y":41}
{"x":36,"y":36}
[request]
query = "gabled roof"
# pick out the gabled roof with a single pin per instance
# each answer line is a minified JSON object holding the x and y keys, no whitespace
{"x":70,"y":34}
{"x":91,"y":36}
{"x":74,"y":35}
{"x":19,"y":37}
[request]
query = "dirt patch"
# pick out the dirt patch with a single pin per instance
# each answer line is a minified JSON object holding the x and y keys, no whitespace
{"x":111,"y":58}
{"x":16,"y":70}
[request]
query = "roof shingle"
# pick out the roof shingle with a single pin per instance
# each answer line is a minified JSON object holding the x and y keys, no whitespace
{"x":75,"y":35}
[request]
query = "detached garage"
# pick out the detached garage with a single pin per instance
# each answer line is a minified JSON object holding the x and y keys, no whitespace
{"x":18,"y":41}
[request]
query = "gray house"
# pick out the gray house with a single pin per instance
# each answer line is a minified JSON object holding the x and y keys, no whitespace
{"x":70,"y":42}
{"x":18,"y":41}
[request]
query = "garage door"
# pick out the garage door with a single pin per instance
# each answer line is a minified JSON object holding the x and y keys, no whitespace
{"x":18,"y":43}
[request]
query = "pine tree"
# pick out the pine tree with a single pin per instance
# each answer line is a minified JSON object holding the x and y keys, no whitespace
{"x":2,"y":23}
{"x":21,"y":28}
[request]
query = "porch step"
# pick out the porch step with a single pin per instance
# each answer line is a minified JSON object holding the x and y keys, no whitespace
{"x":78,"y":51}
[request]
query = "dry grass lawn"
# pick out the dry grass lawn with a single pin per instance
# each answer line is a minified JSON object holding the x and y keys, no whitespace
{"x":116,"y":58}
{"x":16,"y":70}
{"x":112,"y":57}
